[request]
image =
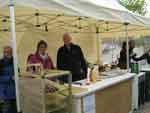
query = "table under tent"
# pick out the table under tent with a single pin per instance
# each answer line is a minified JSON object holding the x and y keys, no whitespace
{"x":85,"y":20}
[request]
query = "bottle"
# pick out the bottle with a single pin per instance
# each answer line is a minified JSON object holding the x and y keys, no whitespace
{"x":137,"y":68}
{"x":88,"y":76}
{"x":94,"y":75}
{"x":132,"y":66}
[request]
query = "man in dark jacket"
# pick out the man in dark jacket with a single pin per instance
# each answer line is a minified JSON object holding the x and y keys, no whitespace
{"x":70,"y":57}
{"x":7,"y":83}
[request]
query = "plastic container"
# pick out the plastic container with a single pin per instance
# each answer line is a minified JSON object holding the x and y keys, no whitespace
{"x":135,"y":67}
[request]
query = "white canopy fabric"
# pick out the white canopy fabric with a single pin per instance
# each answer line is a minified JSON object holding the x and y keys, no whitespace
{"x":107,"y":10}
{"x":99,"y":18}
{"x":108,"y":15}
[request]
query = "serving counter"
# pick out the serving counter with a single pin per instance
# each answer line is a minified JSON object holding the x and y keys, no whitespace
{"x":110,"y":95}
{"x":43,"y":93}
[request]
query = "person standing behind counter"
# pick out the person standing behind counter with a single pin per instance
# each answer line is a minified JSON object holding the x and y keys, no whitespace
{"x":7,"y":82}
{"x":123,"y":58}
{"x":70,"y":57}
{"x":145,"y":56}
{"x":41,"y":56}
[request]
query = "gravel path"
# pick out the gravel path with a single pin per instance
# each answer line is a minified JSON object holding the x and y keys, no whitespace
{"x":144,"y":109}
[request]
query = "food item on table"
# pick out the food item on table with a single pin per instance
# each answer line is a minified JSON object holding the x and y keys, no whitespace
{"x":107,"y":67}
{"x":50,"y":88}
{"x":101,"y":68}
{"x":113,"y":66}
{"x":35,"y":68}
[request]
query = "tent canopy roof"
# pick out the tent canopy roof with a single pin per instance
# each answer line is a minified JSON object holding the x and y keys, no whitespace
{"x":79,"y":17}
{"x":76,"y":16}
{"x":107,"y":10}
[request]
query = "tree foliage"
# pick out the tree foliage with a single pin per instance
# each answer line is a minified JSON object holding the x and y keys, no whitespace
{"x":137,"y":6}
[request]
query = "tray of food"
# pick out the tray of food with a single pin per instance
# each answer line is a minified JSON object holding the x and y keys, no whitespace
{"x":115,"y":72}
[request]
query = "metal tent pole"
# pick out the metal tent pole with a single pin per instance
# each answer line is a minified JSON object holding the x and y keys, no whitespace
{"x":98,"y":46}
{"x":127,"y":45}
{"x":15,"y":59}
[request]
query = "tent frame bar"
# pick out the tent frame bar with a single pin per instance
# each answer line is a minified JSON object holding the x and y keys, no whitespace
{"x":98,"y":45}
{"x":15,"y":58}
{"x":127,"y":46}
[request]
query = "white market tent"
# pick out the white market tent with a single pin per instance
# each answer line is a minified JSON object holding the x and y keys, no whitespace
{"x":103,"y":17}
{"x":44,"y":18}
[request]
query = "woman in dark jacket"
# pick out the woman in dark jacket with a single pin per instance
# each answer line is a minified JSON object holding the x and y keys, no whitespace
{"x":122,"y":60}
{"x":123,"y":55}
{"x":7,"y":83}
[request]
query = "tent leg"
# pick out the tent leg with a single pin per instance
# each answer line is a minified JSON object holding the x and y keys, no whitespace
{"x":15,"y":60}
{"x":127,"y":47}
